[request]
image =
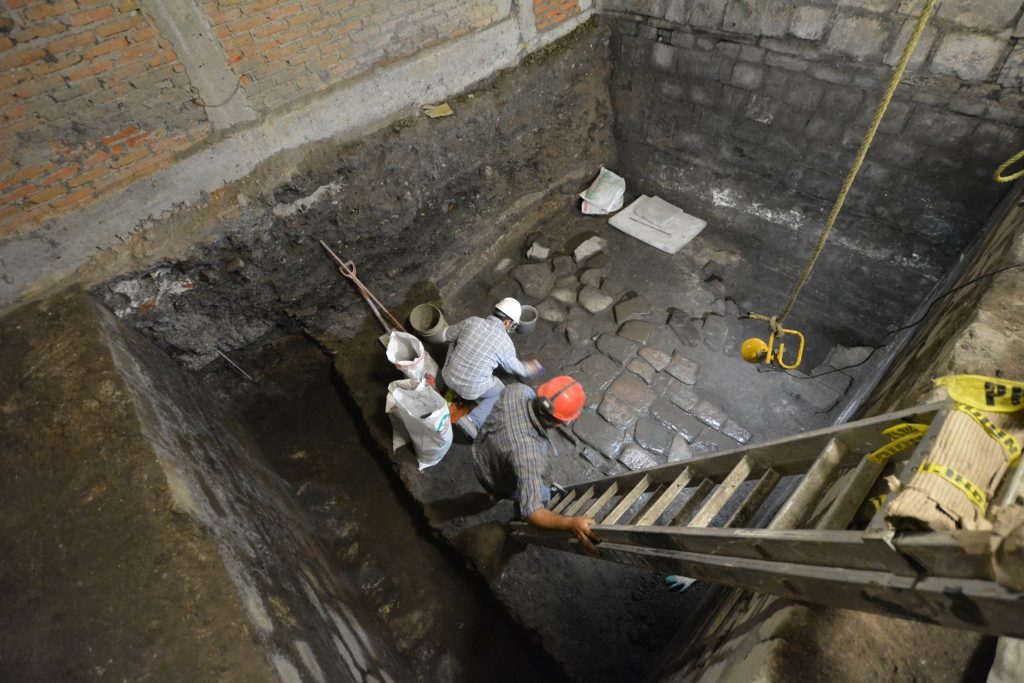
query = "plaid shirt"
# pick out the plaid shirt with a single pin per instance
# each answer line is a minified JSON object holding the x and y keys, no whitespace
{"x":481,"y":345}
{"x":510,"y":454}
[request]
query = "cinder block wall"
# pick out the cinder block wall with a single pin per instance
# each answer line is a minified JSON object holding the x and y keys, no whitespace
{"x":752,"y":110}
{"x":98,"y":95}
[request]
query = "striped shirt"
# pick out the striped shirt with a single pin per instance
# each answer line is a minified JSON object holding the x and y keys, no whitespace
{"x":481,"y":345}
{"x":510,"y":454}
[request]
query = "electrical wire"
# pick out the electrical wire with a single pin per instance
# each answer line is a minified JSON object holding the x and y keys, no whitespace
{"x":917,"y":322}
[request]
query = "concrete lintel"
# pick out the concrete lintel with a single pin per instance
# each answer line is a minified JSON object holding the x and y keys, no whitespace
{"x":32,"y":263}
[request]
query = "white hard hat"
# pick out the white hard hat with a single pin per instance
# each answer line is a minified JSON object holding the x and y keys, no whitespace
{"x":511,"y":308}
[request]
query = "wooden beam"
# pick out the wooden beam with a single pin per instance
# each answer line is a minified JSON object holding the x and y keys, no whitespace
{"x":601,"y":501}
{"x":639,"y":488}
{"x":579,"y":502}
{"x":717,"y":500}
{"x":667,"y":497}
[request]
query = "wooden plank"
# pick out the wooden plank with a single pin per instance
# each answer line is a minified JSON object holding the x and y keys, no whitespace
{"x":769,"y":480}
{"x":693,"y":502}
{"x":555,"y":500}
{"x":798,"y":506}
{"x":601,"y":501}
{"x":579,"y":502}
{"x":958,"y":554}
{"x":564,"y":503}
{"x":639,"y":488}
{"x":791,"y":455}
{"x":851,"y":496}
{"x":959,"y":603}
{"x":717,"y":500}
{"x":667,"y":497}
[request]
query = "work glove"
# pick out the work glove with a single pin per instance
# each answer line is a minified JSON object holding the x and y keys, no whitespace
{"x":678,"y":583}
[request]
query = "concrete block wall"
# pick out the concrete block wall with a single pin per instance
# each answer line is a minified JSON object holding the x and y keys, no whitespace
{"x":99,"y":97}
{"x":759,"y":106}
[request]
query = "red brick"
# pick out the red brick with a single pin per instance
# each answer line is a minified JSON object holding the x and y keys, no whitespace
{"x":48,"y":194}
{"x":46,"y":10}
{"x":246,"y":24}
{"x":12,"y":60}
{"x":135,"y":140}
{"x":119,"y":26}
{"x":88,"y":71}
{"x":97,"y":157}
{"x":90,"y":16}
{"x":66,"y":61}
{"x":27,"y":34}
{"x":72,"y":42}
{"x":76,"y":198}
{"x":120,"y":135}
{"x":17,"y":194}
{"x":163,"y":57}
{"x":284,"y":11}
{"x":106,"y":47}
{"x":5,"y":43}
{"x":88,"y":176}
{"x":30,"y":172}
{"x":131,"y":158}
{"x":143,"y":34}
{"x":269,"y":28}
{"x":63,"y":174}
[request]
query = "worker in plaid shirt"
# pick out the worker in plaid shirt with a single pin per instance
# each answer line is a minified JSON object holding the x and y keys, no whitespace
{"x":481,"y":345}
{"x":510,"y":456}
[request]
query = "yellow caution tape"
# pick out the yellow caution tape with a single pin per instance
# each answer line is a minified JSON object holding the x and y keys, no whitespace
{"x":905,"y":429}
{"x":969,"y":489}
{"x":1010,"y":445}
{"x":882,"y":455}
{"x":985,"y":393}
{"x":878,"y":501}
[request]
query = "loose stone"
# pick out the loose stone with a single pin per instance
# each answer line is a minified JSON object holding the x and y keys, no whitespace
{"x":592,"y":277}
{"x":536,"y":279}
{"x":594,"y":300}
{"x":615,"y":347}
{"x":641,"y":369}
{"x":651,"y":435}
{"x":636,"y":458}
{"x":551,"y":310}
{"x":632,"y":309}
{"x":598,"y":434}
{"x":637,"y":330}
{"x":590,"y":247}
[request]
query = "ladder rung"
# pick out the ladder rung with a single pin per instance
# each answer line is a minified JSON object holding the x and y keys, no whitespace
{"x":579,"y":502}
{"x":627,"y":500}
{"x":602,"y":500}
{"x":753,"y":500}
{"x":564,"y":503}
{"x":667,"y":497}
{"x":717,"y":500}
{"x":795,"y":511}
{"x":691,"y":504}
{"x":854,"y":490}
{"x":555,"y":500}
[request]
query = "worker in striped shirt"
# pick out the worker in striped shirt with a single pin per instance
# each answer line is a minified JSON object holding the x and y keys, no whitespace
{"x":510,"y":455}
{"x":481,"y":345}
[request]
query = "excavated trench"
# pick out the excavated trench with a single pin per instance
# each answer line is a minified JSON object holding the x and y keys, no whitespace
{"x":444,"y":210}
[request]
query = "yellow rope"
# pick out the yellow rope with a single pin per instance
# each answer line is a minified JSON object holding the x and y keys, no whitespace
{"x":894,"y":82}
{"x":998,"y":175}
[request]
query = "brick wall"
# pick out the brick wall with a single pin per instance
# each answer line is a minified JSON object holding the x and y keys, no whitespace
{"x":93,"y":97}
{"x":550,"y":13}
{"x":282,"y":50}
{"x":759,"y":106}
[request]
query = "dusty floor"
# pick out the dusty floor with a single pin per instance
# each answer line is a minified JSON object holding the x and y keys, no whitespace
{"x":442,"y":619}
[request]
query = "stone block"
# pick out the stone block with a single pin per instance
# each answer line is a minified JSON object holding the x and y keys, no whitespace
{"x":704,"y":92}
{"x":762,"y":109}
{"x":930,"y":124}
{"x":679,"y":451}
{"x":592,"y":277}
{"x":776,"y":17}
{"x":634,"y":308}
{"x":536,"y":279}
{"x":751,"y":53}
{"x":924,"y":45}
{"x":598,"y":434}
{"x":720,"y":441}
{"x":632,"y":391}
{"x":616,"y":412}
{"x":985,"y":15}
{"x":734,"y":431}
{"x":637,"y":330}
{"x":663,"y":56}
{"x":564,"y":295}
{"x":675,"y":391}
{"x":552,"y":311}
{"x":815,"y":393}
{"x":592,"y":457}
{"x":869,"y":5}
{"x":969,"y":56}
{"x":651,"y":435}
{"x":562,"y":266}
{"x":636,"y":458}
{"x":655,"y":357}
{"x":705,"y":14}
{"x":675,"y":419}
{"x":715,"y":331}
{"x":590,"y":247}
{"x":618,"y":349}
{"x":684,"y":327}
{"x":538,"y":251}
{"x":683,"y":369}
{"x":747,"y":76}
{"x":710,"y":414}
{"x":743,"y":16}
{"x":642,"y":369}
{"x":809,"y":23}
{"x":858,"y":36}
{"x":702,"y":446}
{"x":594,"y":300}
{"x":595,"y":373}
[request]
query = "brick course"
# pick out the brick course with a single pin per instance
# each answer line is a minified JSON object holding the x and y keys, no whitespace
{"x":550,"y":13}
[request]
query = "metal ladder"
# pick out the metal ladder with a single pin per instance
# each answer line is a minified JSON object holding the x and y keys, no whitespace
{"x":661,"y":518}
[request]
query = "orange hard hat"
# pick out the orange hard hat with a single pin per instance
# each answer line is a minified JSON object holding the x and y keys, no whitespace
{"x":562,"y":398}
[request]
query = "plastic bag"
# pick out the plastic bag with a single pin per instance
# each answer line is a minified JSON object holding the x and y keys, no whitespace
{"x":419,"y":417}
{"x":605,"y":194}
{"x":407,"y":354}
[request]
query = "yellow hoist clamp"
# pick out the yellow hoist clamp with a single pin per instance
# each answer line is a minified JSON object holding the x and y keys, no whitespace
{"x":756,"y":350}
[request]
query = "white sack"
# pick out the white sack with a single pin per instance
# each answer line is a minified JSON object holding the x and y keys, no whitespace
{"x":406,"y":353}
{"x":420,"y":417}
{"x":605,"y":194}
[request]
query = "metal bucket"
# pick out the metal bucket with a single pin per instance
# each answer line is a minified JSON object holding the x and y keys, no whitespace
{"x":428,"y":322}
{"x":527,"y":319}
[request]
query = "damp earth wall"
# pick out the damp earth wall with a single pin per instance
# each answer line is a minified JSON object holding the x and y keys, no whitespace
{"x":750,"y":112}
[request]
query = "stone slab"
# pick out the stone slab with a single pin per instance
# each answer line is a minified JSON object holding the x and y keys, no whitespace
{"x":734,"y":431}
{"x":592,"y":277}
{"x":552,"y":311}
{"x":683,"y":369}
{"x":636,"y":458}
{"x":536,"y":279}
{"x":598,"y":434}
{"x":564,"y":295}
{"x":562,"y":266}
{"x":618,"y":349}
{"x":594,"y":300}
{"x":655,"y":357}
{"x":676,"y":419}
{"x":679,"y":450}
{"x":592,"y":246}
{"x":642,"y":369}
{"x":633,"y":308}
{"x":617,"y":412}
{"x":637,"y":330}
{"x":710,"y":414}
{"x":652,"y":435}
{"x":632,"y":391}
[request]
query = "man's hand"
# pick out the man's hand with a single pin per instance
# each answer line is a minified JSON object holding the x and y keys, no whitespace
{"x":579,"y":526}
{"x":534,"y":369}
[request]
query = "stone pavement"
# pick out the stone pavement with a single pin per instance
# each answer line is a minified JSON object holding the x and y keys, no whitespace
{"x":664,"y":382}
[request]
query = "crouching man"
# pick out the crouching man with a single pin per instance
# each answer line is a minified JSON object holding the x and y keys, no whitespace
{"x":510,"y":455}
{"x":481,"y":345}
